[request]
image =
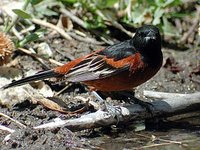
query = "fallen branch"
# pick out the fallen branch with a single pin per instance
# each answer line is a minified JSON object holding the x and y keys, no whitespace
{"x":168,"y":106}
{"x":162,"y":95}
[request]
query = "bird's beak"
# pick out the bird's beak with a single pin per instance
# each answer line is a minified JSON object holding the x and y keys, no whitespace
{"x":150,"y":36}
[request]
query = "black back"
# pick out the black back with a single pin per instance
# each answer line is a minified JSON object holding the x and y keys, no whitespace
{"x":119,"y":51}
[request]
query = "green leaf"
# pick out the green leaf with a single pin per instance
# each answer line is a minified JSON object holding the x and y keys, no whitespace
{"x":68,"y":1}
{"x":180,"y":15}
{"x":22,"y":14}
{"x":157,"y":16}
{"x":29,"y":38}
{"x":167,"y":3}
{"x":35,"y":2}
{"x":171,"y":3}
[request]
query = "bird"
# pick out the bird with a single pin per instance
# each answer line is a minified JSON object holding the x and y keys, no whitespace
{"x":122,"y":66}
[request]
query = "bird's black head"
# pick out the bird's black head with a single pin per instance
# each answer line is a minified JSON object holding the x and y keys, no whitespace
{"x":147,"y":38}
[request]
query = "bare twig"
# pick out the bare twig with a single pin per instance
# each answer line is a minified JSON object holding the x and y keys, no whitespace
{"x":6,"y":129}
{"x":162,"y":95}
{"x":15,"y":121}
{"x":114,"y":23}
{"x":54,"y":27}
{"x":7,"y":138}
{"x":62,"y":90}
{"x":31,"y":28}
{"x":154,"y":145}
{"x":39,"y":57}
{"x":17,"y":34}
{"x":84,"y":39}
{"x":153,"y":138}
{"x":73,"y":17}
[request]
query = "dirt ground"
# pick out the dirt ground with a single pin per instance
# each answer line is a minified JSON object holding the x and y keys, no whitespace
{"x":180,"y":74}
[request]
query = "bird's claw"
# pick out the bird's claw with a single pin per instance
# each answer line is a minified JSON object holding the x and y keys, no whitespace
{"x":114,"y":111}
{"x":105,"y":106}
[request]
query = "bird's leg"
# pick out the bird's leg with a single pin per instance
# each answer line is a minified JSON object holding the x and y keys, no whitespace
{"x":113,"y":111}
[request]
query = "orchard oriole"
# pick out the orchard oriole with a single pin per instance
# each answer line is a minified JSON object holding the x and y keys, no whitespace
{"x":119,"y":67}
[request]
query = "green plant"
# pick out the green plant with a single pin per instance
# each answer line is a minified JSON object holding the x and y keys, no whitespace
{"x":134,"y":12}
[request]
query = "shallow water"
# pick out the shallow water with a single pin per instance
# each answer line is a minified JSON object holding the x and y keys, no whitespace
{"x":163,"y":135}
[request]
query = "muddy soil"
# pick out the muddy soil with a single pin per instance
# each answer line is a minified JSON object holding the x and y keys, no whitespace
{"x":179,"y":74}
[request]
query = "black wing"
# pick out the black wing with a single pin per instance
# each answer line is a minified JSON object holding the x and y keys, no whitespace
{"x":103,"y":63}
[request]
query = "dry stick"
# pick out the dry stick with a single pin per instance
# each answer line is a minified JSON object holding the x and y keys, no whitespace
{"x":192,"y":28}
{"x":38,"y":56}
{"x":62,"y":90}
{"x":39,"y":59}
{"x":17,"y":34}
{"x":84,"y":39}
{"x":114,"y":23}
{"x":6,"y":129}
{"x":31,"y":28}
{"x":163,"y":144}
{"x":68,"y":36}
{"x":7,"y":137}
{"x":81,"y":38}
{"x":160,"y":108}
{"x":54,"y":27}
{"x":162,"y":95}
{"x":156,"y":138}
{"x":154,"y":145}
{"x":15,"y":121}
{"x":73,"y":17}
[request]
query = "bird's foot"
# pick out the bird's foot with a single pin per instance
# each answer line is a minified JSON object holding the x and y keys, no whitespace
{"x":133,"y":100}
{"x":147,"y":105}
{"x":114,"y":111}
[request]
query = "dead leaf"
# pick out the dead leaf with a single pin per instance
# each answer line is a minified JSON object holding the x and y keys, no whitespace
{"x":67,"y":23}
{"x":51,"y":105}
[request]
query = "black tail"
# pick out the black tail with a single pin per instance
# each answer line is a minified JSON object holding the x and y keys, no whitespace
{"x":39,"y":76}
